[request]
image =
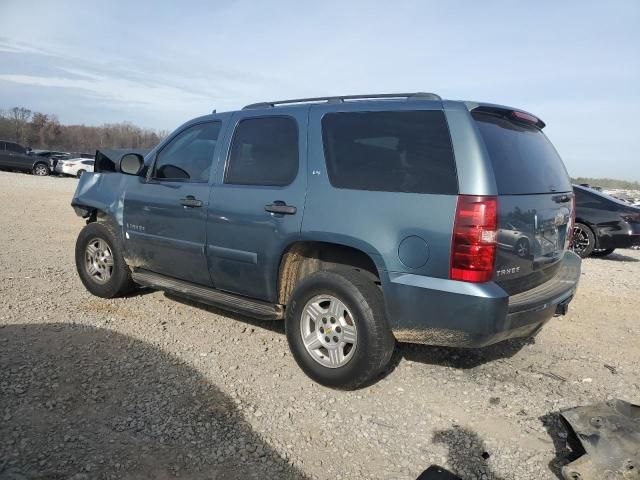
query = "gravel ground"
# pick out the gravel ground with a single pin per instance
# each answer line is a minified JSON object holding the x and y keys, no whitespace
{"x":151,"y":387}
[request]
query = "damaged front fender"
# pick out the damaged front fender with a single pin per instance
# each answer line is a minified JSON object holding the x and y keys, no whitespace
{"x":101,"y":194}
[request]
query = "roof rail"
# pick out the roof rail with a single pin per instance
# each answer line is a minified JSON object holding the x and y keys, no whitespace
{"x":341,"y":99}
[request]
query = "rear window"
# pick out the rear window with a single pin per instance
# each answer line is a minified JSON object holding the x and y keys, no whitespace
{"x":399,"y":151}
{"x":524,"y":160}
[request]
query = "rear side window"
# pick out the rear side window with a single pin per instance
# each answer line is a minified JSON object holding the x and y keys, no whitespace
{"x":392,"y":151}
{"x":264,"y":151}
{"x":588,"y":200}
{"x":524,"y":160}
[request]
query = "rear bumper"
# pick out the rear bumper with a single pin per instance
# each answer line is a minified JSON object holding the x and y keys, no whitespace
{"x":449,"y":313}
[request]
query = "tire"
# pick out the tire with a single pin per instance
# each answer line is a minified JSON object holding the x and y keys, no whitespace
{"x":602,"y":253}
{"x":584,"y":241}
{"x":41,"y":169}
{"x":106,"y":281}
{"x":363,"y":309}
{"x":80,"y":172}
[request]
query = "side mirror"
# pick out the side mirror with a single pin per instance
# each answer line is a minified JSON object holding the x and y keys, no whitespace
{"x":131,"y":164}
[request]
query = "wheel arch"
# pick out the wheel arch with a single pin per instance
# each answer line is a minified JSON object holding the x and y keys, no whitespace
{"x":303,"y":257}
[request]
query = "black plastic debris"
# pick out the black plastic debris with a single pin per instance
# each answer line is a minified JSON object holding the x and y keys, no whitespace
{"x":607,"y":438}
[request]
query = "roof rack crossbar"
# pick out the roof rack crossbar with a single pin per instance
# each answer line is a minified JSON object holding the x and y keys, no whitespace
{"x":341,"y":99}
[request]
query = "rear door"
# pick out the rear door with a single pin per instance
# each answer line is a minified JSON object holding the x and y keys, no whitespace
{"x":534,"y":204}
{"x":257,"y":203}
{"x":165,"y":212}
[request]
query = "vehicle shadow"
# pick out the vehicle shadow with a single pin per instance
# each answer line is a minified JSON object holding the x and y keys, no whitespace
{"x":617,"y":257}
{"x":82,"y":402}
{"x":468,"y":456}
{"x":461,"y":358}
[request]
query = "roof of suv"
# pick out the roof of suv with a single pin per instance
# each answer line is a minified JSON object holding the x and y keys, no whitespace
{"x":489,"y":108}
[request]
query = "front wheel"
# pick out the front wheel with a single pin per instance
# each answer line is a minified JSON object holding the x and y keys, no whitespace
{"x":337,"y":330}
{"x":100,"y":263}
{"x":80,"y":172}
{"x":602,"y":253}
{"x":584,"y":241}
{"x":41,"y":169}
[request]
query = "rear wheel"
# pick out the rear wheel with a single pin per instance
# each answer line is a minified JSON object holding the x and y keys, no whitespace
{"x":602,"y":253}
{"x":100,"y":263}
{"x":80,"y":172}
{"x":584,"y":241}
{"x":336,"y":328}
{"x":41,"y":169}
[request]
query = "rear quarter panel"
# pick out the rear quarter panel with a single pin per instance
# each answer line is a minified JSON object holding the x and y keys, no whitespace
{"x":375,"y":222}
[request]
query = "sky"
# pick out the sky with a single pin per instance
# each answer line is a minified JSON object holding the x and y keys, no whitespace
{"x":575,"y":64}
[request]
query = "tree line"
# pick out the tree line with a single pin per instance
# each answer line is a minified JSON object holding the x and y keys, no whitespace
{"x":44,"y":131}
{"x":608,"y":183}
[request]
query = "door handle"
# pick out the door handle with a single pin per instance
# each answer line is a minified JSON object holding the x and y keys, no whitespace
{"x":191,"y":201}
{"x":280,"y":207}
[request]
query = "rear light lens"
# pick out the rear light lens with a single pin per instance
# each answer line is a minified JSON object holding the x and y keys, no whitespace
{"x":572,"y":222}
{"x":524,"y":117}
{"x":475,"y":234}
{"x":632,"y":217}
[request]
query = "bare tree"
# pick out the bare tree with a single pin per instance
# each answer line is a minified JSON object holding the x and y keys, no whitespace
{"x":42,"y":130}
{"x":20,"y":117}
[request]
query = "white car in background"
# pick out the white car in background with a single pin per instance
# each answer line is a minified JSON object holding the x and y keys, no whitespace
{"x":74,"y":166}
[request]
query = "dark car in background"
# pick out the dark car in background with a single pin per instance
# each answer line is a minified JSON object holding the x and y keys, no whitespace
{"x":603,"y":223}
{"x":14,"y":156}
{"x":52,"y":157}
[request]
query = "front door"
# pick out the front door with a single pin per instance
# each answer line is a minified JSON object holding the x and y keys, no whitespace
{"x":165,"y":212}
{"x":257,"y":203}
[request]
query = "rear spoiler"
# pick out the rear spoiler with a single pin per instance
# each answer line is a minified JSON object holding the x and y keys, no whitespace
{"x":507,"y":112}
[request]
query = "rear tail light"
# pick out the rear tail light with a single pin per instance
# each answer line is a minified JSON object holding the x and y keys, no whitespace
{"x":572,"y":222}
{"x":632,"y":217}
{"x":475,"y":233}
{"x":524,"y":117}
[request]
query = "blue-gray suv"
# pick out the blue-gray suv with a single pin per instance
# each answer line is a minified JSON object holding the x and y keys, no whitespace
{"x":359,"y":220}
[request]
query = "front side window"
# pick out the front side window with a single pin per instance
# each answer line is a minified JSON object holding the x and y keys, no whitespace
{"x":264,"y":151}
{"x":189,"y":156}
{"x":390,"y":151}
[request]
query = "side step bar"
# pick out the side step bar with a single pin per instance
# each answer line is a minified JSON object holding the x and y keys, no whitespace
{"x":211,"y":296}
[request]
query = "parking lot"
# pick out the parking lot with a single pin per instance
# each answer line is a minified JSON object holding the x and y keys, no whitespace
{"x":160,"y":388}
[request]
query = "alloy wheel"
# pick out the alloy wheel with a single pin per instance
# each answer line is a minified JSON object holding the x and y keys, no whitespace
{"x":99,"y":260}
{"x":580,"y":241}
{"x":41,"y":170}
{"x":328,"y":330}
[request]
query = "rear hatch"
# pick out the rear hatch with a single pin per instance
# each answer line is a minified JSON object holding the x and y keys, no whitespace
{"x":534,"y":198}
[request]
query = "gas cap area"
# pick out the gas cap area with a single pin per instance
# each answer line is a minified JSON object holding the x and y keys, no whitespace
{"x":413,"y":251}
